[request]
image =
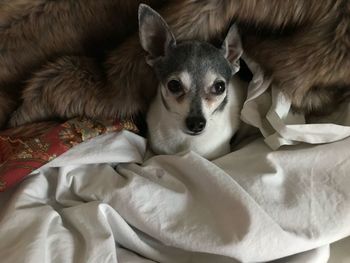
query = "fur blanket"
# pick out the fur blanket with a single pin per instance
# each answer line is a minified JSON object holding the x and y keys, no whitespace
{"x":53,"y":62}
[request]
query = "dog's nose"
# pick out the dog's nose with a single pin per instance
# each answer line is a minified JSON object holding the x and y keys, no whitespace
{"x":195,"y":124}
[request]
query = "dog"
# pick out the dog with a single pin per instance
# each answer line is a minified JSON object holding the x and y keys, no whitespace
{"x":199,"y":99}
{"x":303,"y":44}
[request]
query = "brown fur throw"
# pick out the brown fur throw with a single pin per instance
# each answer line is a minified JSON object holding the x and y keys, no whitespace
{"x":51,"y":64}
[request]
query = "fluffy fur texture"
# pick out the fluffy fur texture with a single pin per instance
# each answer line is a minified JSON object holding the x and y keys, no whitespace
{"x":310,"y":63}
{"x":303,"y":44}
{"x":33,"y":32}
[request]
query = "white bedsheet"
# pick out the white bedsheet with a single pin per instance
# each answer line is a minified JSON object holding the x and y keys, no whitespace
{"x":253,"y":205}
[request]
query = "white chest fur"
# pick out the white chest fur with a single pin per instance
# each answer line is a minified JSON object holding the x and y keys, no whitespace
{"x":166,"y":137}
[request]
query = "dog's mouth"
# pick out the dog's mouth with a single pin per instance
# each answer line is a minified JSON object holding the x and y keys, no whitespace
{"x":191,"y":133}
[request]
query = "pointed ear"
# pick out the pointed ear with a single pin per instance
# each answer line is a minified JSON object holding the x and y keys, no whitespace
{"x":155,"y":35}
{"x":232,"y":47}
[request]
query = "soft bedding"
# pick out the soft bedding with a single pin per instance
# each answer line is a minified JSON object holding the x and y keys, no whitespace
{"x":280,"y":196}
{"x":97,"y":203}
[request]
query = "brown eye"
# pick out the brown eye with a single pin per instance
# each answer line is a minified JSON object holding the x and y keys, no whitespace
{"x":218,"y":88}
{"x":174,"y":86}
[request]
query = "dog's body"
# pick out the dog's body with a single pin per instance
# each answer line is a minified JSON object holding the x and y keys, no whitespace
{"x":198,"y":103}
{"x":304,"y":45}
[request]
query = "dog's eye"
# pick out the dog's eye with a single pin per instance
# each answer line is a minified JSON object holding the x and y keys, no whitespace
{"x":174,"y":86}
{"x":218,"y":88}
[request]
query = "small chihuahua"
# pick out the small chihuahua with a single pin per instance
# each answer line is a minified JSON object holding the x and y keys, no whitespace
{"x":198,"y":103}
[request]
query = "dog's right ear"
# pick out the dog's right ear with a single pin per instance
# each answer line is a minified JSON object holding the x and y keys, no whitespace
{"x":155,"y":35}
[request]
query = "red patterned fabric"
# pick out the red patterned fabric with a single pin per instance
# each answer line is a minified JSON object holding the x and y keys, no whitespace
{"x":24,"y":149}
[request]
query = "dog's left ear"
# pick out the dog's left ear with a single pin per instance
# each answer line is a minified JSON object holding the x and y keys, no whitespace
{"x":232,"y":47}
{"x":155,"y":35}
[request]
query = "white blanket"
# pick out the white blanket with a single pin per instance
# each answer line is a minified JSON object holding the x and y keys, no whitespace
{"x":278,"y":197}
{"x":253,"y":205}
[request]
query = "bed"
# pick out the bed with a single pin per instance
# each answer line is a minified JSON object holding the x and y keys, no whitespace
{"x":280,"y":196}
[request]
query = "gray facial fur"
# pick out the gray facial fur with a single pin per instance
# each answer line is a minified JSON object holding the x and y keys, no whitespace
{"x":197,"y":58}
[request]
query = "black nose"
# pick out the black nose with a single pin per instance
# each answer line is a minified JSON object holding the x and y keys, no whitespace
{"x":195,"y":124}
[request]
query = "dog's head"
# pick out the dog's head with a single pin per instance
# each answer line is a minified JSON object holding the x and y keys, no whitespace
{"x":194,"y":76}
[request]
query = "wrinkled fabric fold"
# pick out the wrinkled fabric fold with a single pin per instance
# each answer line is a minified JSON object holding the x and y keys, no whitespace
{"x":269,"y":110}
{"x":252,"y":205}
